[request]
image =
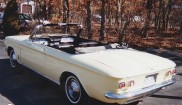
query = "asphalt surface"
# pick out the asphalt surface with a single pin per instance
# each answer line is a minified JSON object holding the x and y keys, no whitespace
{"x":24,"y":87}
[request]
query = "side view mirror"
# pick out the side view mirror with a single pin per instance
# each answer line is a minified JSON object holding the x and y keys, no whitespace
{"x":124,"y":45}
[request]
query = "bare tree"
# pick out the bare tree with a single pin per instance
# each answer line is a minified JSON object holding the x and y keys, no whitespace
{"x":66,"y":11}
{"x":148,"y":18}
{"x":169,"y":8}
{"x":180,"y":30}
{"x":120,"y":27}
{"x":88,"y":20}
{"x":103,"y":20}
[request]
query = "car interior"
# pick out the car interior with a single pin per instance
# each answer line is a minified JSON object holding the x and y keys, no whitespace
{"x":70,"y":43}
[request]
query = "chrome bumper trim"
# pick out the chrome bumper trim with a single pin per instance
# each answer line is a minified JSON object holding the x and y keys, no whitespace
{"x":136,"y":95}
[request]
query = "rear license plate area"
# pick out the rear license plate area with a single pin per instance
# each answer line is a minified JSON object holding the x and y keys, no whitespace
{"x":150,"y":80}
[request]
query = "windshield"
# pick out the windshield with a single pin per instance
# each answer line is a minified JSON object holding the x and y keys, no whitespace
{"x":56,"y":30}
{"x":49,"y":30}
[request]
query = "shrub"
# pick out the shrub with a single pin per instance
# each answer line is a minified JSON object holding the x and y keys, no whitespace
{"x":11,"y":22}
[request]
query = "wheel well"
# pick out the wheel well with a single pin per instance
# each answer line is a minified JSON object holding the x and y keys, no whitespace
{"x":9,"y":50}
{"x":63,"y":76}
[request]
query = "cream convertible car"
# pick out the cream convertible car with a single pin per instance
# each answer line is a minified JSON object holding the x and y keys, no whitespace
{"x":86,"y":68}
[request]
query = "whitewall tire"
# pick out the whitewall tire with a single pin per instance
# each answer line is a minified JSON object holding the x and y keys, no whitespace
{"x":74,"y":91}
{"x":13,"y":59}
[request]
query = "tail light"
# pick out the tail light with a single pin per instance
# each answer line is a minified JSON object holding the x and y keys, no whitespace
{"x":131,"y":83}
{"x":122,"y":85}
{"x":173,"y":72}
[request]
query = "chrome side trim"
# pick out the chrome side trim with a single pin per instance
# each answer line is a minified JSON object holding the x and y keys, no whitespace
{"x":136,"y":95}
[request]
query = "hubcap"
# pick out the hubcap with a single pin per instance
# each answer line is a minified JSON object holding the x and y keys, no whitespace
{"x":13,"y":59}
{"x":73,"y":90}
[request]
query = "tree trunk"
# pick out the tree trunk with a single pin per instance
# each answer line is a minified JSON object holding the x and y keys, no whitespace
{"x":180,"y":30}
{"x":103,"y":19}
{"x":110,"y":13}
{"x":89,"y":26}
{"x":163,"y":16}
{"x":148,"y":18}
{"x":49,"y":11}
{"x":44,"y":12}
{"x":168,"y":12}
{"x":123,"y":31}
{"x":118,"y":11}
{"x":125,"y":23}
{"x":156,"y":17}
{"x":145,"y":29}
{"x":65,"y":11}
{"x":159,"y":17}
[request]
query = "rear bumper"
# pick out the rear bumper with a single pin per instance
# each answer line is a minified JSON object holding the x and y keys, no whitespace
{"x":133,"y":96}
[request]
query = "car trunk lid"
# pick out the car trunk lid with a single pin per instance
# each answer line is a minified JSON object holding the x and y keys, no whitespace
{"x":130,"y":62}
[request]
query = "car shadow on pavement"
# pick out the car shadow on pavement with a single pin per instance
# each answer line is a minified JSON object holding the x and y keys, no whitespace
{"x":180,"y":74}
{"x":2,"y":37}
{"x":25,"y":87}
{"x":165,"y":96}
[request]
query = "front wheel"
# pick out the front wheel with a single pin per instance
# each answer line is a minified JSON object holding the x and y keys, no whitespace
{"x":74,"y":91}
{"x":13,"y":59}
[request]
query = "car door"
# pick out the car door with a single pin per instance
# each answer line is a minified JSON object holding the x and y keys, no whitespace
{"x":55,"y":63}
{"x":32,"y":55}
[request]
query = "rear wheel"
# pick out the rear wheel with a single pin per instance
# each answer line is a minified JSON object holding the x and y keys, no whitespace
{"x":74,"y":91}
{"x":13,"y":59}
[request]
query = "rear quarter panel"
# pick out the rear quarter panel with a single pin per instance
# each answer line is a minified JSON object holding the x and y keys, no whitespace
{"x":95,"y":84}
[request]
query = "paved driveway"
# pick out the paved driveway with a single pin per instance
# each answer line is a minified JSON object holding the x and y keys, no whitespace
{"x":24,"y":87}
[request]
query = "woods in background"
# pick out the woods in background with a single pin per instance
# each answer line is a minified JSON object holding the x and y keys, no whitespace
{"x":115,"y":17}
